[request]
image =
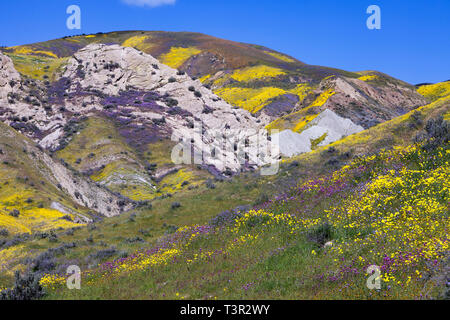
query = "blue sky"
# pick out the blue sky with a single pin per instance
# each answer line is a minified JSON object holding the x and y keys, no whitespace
{"x":413,"y":43}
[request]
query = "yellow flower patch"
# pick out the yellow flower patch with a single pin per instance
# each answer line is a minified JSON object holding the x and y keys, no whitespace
{"x":25,"y":50}
{"x":323,"y":98}
{"x":296,"y":121}
{"x":435,"y":91}
{"x":280,"y":56}
{"x":405,"y":210}
{"x":138,"y":42}
{"x":12,"y":224}
{"x":177,"y":56}
{"x":37,"y":67}
{"x":36,"y":219}
{"x":10,"y":260}
{"x":369,"y":77}
{"x":303,"y":123}
{"x":302,"y":90}
{"x":249,"y":99}
{"x":205,"y":78}
{"x":257,"y":72}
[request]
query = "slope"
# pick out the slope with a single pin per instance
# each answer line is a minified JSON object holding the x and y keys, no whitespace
{"x":252,"y":77}
{"x":40,"y":194}
{"x":314,"y":241}
{"x":193,"y":277}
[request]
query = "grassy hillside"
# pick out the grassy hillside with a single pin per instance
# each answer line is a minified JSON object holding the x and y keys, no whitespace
{"x":389,"y":209}
{"x":99,"y":151}
{"x":27,"y":190}
{"x":374,"y":197}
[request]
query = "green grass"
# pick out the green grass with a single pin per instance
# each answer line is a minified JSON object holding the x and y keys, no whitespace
{"x":259,"y":258}
{"x":24,"y":181}
{"x":259,"y":263}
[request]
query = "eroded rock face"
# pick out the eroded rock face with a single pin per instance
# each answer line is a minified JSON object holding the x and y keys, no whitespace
{"x":9,"y":77}
{"x":114,"y":69}
{"x":82,"y":191}
{"x":368,"y":105}
{"x":136,"y":84}
{"x":150,"y":101}
{"x":23,"y":103}
{"x":327,"y":126}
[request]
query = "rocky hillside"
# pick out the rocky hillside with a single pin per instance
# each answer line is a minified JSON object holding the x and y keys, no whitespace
{"x":39,"y":193}
{"x":111,"y":107}
{"x":252,"y":77}
{"x":310,"y":232}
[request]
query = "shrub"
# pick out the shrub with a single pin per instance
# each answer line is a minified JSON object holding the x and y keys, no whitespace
{"x":210,"y":184}
{"x":321,"y":234}
{"x":159,"y":121}
{"x":255,"y":221}
{"x":171,"y":229}
{"x":175,"y":205}
{"x":102,"y":254}
{"x":44,"y":263}
{"x":90,"y":239}
{"x":333,"y":162}
{"x":171,"y":102}
{"x":15,"y":213}
{"x":111,"y":66}
{"x":132,"y":217}
{"x":53,"y":237}
{"x":146,"y":233}
{"x":416,"y":120}
{"x":185,"y":183}
{"x":207,"y":110}
{"x":67,"y":218}
{"x":262,"y":198}
{"x":227,"y":217}
{"x":70,"y":232}
{"x":172,"y":80}
{"x":144,"y":204}
{"x":437,"y":133}
{"x":134,"y":240}
{"x":4,"y":232}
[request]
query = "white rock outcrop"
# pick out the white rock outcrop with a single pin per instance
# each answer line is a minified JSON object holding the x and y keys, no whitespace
{"x":327,"y":124}
{"x":292,"y":143}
